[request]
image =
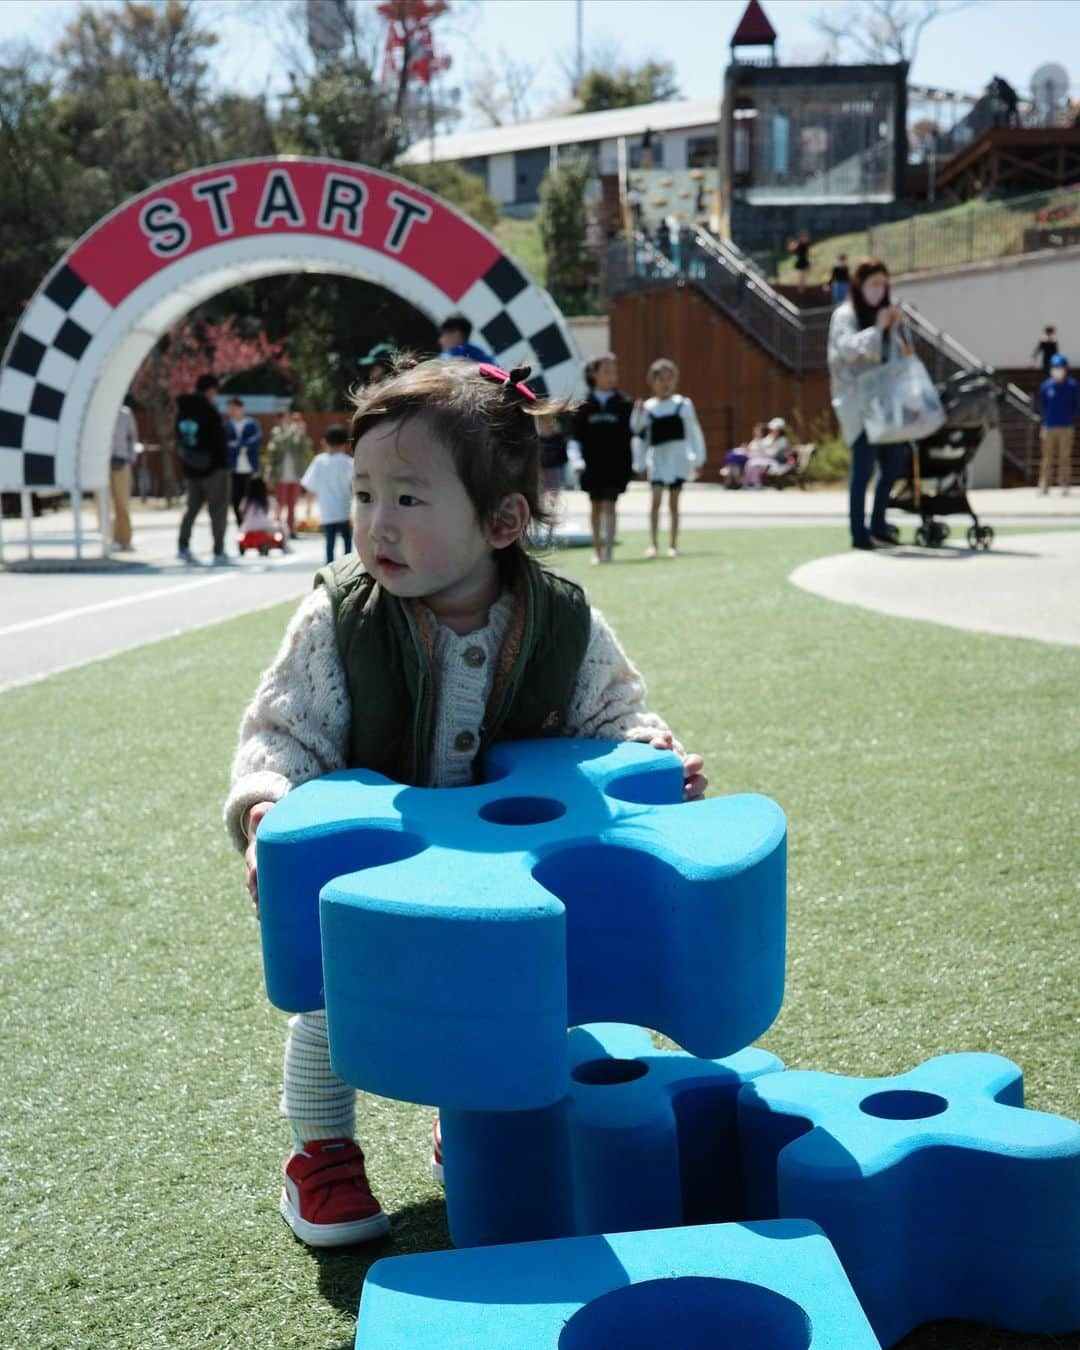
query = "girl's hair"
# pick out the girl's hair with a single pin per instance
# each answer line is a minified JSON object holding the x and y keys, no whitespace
{"x":661,"y":364}
{"x":489,"y":428}
{"x":868,"y":267}
{"x":592,"y":366}
{"x":256,"y":494}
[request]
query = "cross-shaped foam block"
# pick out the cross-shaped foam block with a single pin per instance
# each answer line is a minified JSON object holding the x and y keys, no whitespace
{"x":464,"y":929}
{"x":645,"y":1138}
{"x":776,"y":1285}
{"x":942,"y":1195}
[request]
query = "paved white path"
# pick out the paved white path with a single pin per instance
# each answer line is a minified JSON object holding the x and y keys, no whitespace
{"x":52,"y":620}
{"x":1026,"y":585}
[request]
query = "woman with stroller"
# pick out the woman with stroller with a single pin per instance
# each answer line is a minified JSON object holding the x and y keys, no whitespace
{"x":859,"y":339}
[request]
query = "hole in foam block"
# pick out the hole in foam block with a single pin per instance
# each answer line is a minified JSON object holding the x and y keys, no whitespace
{"x":903,"y":1105}
{"x":608,"y":1072}
{"x":692,"y":1312}
{"x":522,"y":810}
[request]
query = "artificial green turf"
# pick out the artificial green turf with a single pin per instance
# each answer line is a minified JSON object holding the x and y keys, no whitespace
{"x":930,"y":782}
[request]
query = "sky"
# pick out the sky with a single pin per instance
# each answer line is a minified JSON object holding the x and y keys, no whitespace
{"x":960,"y":50}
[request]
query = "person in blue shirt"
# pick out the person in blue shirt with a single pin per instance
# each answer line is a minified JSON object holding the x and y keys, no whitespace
{"x":244,"y":436}
{"x":1059,"y":403}
{"x":454,"y":335}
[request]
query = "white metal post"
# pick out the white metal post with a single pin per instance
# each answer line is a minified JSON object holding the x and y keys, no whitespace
{"x":104,"y":500}
{"x":76,"y":506}
{"x":28,"y":521}
{"x":579,"y":58}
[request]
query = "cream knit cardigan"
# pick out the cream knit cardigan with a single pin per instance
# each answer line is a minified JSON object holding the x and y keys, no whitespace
{"x":297,"y":725}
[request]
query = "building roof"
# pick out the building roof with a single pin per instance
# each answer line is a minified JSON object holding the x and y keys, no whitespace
{"x":578,"y":129}
{"x":754,"y":28}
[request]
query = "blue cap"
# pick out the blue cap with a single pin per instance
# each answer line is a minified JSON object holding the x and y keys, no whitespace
{"x":1058,"y":360}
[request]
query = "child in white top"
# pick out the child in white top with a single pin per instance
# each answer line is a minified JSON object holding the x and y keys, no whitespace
{"x":669,"y":447}
{"x":256,"y":507}
{"x":446,"y":481}
{"x":329,"y":476}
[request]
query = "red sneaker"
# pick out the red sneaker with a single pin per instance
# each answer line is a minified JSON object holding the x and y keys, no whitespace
{"x":436,"y":1152}
{"x":326,"y":1199}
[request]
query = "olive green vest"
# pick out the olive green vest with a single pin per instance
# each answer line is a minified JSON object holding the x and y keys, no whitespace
{"x":389,"y":676}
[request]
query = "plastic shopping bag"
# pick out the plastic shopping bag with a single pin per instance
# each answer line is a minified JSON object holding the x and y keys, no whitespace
{"x":899,"y":400}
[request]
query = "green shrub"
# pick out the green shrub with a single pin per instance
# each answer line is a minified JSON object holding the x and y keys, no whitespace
{"x":831,"y":462}
{"x":457,"y":186}
{"x":832,"y":458}
{"x":563,"y":220}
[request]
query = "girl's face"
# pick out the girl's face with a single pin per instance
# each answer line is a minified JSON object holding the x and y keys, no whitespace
{"x":664,"y":382}
{"x":606,"y":376}
{"x":874,"y":288}
{"x":416,"y":528}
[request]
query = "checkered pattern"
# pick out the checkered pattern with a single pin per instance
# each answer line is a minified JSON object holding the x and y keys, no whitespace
{"x":515,"y":319}
{"x":519,"y":324}
{"x":41,"y":362}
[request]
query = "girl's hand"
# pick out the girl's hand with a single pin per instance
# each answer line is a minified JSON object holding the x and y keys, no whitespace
{"x":255,"y":815}
{"x":694,"y":781}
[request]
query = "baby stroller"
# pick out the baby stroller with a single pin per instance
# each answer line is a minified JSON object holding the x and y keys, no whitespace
{"x":934,"y":481}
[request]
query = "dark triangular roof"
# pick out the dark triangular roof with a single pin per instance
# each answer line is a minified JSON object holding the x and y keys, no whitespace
{"x":754,"y":28}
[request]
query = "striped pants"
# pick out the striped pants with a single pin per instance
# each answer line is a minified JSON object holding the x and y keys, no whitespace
{"x":317,"y":1102}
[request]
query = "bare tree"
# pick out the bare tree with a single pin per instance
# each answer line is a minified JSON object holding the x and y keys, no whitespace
{"x":881,"y":31}
{"x":499,"y":89}
{"x":600,"y":54}
{"x":288,"y":23}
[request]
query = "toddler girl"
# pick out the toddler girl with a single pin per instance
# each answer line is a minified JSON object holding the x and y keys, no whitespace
{"x":446,"y":481}
{"x":669,"y":446}
{"x":255,"y":508}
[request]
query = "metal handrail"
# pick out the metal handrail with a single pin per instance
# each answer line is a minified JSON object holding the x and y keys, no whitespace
{"x":1018,"y":411}
{"x":657,"y":258}
{"x":731,"y":257}
{"x":959,"y":354}
{"x":798,"y":338}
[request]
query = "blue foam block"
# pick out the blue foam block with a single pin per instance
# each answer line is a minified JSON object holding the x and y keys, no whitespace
{"x":464,"y":929}
{"x":775,"y":1285}
{"x":942,"y":1196}
{"x":644,"y":1138}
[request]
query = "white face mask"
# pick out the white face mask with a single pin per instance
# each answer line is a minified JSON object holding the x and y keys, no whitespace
{"x":874,"y":293}
{"x":1058,"y":373}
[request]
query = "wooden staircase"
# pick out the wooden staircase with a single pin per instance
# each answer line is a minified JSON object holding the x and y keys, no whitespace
{"x":748,"y":353}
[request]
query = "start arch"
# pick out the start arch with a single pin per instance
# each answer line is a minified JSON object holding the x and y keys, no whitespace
{"x":84,"y":333}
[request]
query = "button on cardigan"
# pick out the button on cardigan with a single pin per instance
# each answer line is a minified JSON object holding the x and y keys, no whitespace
{"x":297,"y":725}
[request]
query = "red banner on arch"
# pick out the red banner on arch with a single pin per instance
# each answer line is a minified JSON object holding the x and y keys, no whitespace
{"x":253,"y":198}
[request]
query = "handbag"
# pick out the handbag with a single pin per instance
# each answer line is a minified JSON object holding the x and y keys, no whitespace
{"x":898,"y":399}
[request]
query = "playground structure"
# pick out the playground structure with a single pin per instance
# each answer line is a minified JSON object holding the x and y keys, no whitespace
{"x":573,"y":885}
{"x":118,"y":290}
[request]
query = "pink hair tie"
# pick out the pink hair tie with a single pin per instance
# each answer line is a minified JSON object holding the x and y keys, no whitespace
{"x":510,"y":379}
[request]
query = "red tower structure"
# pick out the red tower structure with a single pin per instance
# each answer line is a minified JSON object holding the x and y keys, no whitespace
{"x":410,"y":47}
